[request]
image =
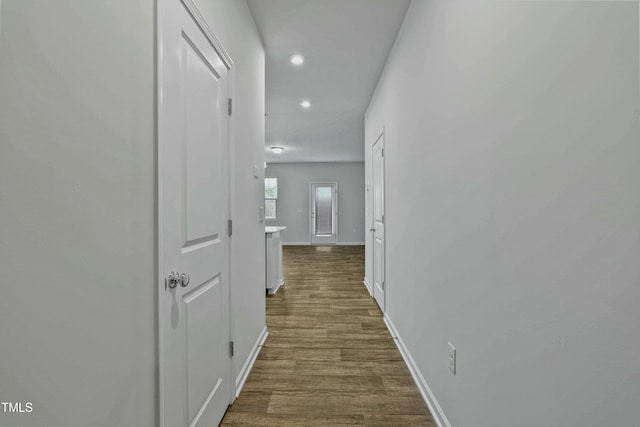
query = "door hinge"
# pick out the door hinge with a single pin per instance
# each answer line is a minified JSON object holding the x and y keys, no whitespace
{"x":230,"y":106}
{"x":231,"y":348}
{"x":382,"y":154}
{"x":230,"y":227}
{"x":383,"y":219}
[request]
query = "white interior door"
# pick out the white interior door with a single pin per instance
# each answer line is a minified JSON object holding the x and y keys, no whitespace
{"x":324,"y":213}
{"x":193,"y":133}
{"x":378,"y":222}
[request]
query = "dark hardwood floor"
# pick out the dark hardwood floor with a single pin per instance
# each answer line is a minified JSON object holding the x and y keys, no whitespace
{"x":329,"y":359}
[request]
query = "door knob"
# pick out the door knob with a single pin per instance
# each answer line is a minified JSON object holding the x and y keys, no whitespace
{"x":184,"y":280}
{"x":173,"y":279}
{"x":372,"y":229}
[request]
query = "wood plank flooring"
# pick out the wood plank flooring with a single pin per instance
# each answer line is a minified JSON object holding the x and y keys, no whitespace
{"x":329,"y":359}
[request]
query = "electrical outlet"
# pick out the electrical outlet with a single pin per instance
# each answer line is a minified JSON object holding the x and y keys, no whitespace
{"x":452,"y":359}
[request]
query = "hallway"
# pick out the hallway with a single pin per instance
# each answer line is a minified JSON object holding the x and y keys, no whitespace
{"x":329,"y":358}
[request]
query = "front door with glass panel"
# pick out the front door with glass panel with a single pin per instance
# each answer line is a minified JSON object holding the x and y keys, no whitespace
{"x":324,"y":213}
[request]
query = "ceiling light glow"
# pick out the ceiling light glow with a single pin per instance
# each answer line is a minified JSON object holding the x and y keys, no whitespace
{"x":305,"y":104}
{"x":277,"y":150}
{"x":296,"y":59}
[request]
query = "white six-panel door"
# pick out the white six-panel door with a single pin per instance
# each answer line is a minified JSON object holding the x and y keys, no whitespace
{"x":378,"y":222}
{"x":193,"y":135}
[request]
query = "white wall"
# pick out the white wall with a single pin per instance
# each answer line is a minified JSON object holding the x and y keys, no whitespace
{"x":77,"y":212}
{"x":293,"y":194}
{"x":233,"y":24}
{"x":513,"y":210}
{"x":77,"y":206}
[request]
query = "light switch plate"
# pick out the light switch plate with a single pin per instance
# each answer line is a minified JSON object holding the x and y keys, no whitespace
{"x":255,"y":172}
{"x":452,"y":359}
{"x":261,"y":213}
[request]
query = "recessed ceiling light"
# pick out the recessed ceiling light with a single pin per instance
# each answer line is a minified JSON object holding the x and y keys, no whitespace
{"x":277,"y":150}
{"x":305,"y":103}
{"x":296,"y":59}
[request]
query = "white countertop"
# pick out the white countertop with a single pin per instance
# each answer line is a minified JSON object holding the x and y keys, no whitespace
{"x":273,"y":229}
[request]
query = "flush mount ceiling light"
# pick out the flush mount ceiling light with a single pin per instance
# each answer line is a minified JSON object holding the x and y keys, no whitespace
{"x":296,"y":59}
{"x":277,"y":150}
{"x":305,"y":103}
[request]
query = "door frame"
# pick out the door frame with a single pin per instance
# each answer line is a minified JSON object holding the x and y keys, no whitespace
{"x":335,"y":209}
{"x":160,"y":161}
{"x":381,"y":138}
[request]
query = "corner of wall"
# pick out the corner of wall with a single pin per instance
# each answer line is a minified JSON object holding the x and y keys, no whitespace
{"x":243,"y":374}
{"x":428,"y":396}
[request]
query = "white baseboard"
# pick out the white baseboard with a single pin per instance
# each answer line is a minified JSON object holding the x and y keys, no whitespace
{"x":368,"y":286}
{"x":272,"y":291}
{"x":248,"y":364}
{"x":308,"y":243}
{"x":425,"y":391}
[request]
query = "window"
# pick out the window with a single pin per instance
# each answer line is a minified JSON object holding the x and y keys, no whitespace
{"x":324,"y":210}
{"x":270,"y":198}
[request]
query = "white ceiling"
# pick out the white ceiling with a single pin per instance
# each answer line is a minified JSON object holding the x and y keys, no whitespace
{"x":345,"y":44}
